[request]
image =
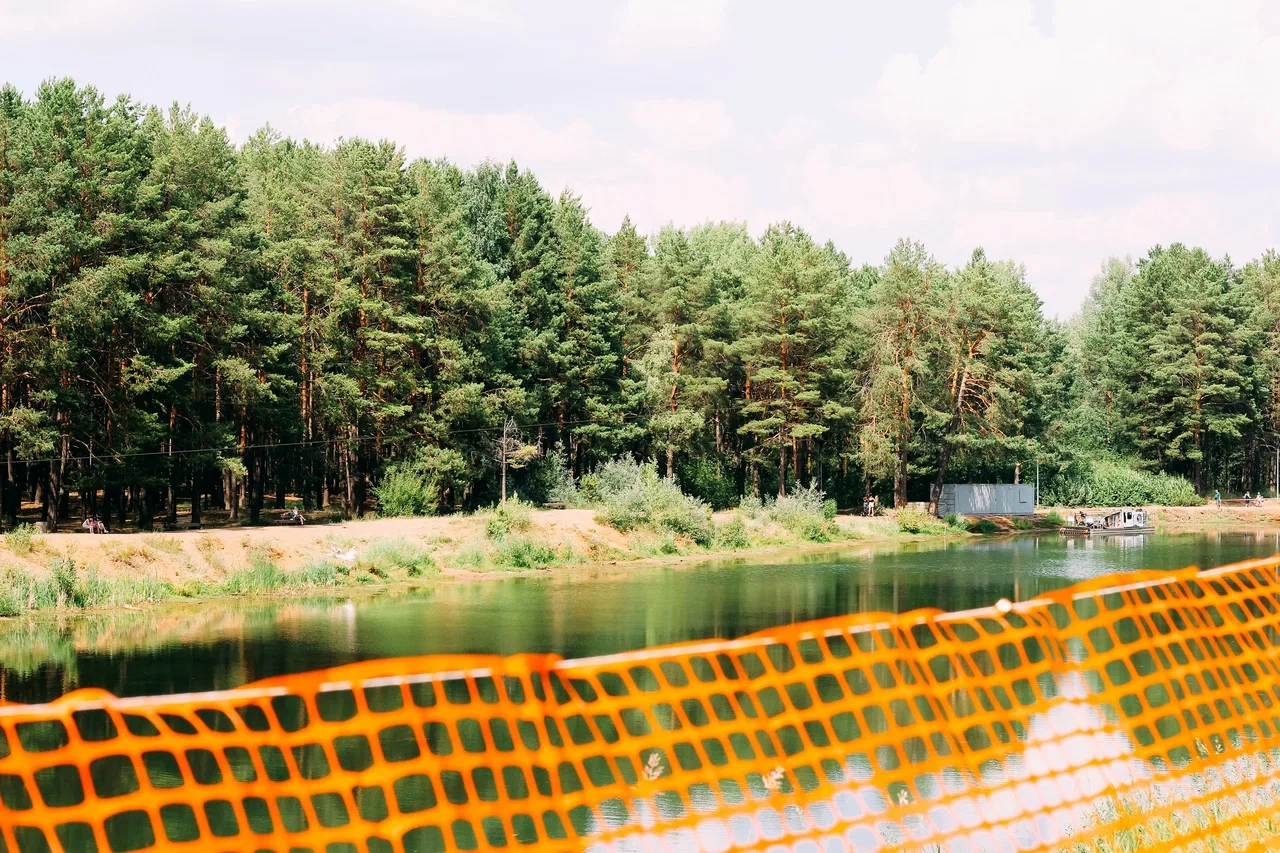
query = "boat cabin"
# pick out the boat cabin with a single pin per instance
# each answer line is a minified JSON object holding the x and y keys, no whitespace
{"x":1125,"y":518}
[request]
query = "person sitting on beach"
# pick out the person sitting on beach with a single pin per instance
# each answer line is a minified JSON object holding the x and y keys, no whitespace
{"x":90,"y":524}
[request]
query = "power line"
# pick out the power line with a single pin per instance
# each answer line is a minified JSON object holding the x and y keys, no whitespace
{"x":141,"y":454}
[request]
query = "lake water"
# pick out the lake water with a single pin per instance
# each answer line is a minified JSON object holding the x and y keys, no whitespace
{"x":223,"y":644}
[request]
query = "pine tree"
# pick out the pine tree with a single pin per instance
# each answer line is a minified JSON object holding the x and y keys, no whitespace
{"x":586,"y":358}
{"x":989,"y":326}
{"x":901,"y":325}
{"x":1104,"y":350}
{"x":13,"y":125}
{"x":794,"y":338}
{"x":1260,"y":291}
{"x":677,"y":387}
{"x":462,"y":384}
{"x":1191,"y":387}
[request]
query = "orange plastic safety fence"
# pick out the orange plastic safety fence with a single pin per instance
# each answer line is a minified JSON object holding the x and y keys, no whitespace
{"x":1138,"y":712}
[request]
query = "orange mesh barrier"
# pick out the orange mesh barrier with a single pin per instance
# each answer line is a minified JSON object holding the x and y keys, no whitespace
{"x":1137,"y":712}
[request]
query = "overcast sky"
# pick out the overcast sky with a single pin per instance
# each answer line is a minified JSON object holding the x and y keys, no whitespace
{"x":1054,"y":132}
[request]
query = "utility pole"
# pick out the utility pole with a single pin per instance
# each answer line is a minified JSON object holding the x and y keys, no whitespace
{"x":502,"y":455}
{"x":512,"y":452}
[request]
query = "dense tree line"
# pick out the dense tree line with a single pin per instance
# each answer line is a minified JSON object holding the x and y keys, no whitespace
{"x":185,"y":320}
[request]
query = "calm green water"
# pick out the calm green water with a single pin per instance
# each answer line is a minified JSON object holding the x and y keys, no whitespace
{"x":221,"y":645}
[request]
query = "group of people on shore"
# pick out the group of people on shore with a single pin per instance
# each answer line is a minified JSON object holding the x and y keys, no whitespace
{"x":1249,"y":500}
{"x":869,"y":505}
{"x":93,"y":524}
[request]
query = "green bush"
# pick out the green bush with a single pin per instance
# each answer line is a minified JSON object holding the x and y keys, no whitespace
{"x":954,"y":519}
{"x":912,"y":520}
{"x":803,"y":512}
{"x":322,"y":573}
{"x":614,"y":477}
{"x":261,"y":576}
{"x":418,"y":486}
{"x":1020,"y":523}
{"x":524,"y":552}
{"x":403,"y":492}
{"x":829,"y":509}
{"x":28,"y":591}
{"x":632,"y":496}
{"x":472,"y":556}
{"x":62,"y":570}
{"x":732,"y":535}
{"x":514,"y":516}
{"x":9,"y":605}
{"x":750,"y":506}
{"x":551,"y":480}
{"x":94,"y":590}
{"x":1053,"y":519}
{"x":22,"y":539}
{"x":1111,"y":482}
{"x":709,"y":480}
{"x":382,"y":557}
{"x":983,"y":525}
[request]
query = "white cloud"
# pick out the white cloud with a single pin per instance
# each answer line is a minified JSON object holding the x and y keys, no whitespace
{"x":645,"y":26}
{"x":494,"y":12}
{"x":845,"y":190}
{"x":797,"y":131}
{"x":683,"y":125}
{"x":1175,"y":73}
{"x":656,"y":190}
{"x":1103,"y":129}
{"x":465,"y":138}
{"x":24,"y":18}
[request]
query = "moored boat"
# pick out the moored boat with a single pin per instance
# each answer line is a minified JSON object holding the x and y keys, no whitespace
{"x":1120,"y":522}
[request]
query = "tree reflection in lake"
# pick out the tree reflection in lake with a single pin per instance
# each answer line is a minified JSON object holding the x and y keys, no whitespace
{"x":225,"y":643}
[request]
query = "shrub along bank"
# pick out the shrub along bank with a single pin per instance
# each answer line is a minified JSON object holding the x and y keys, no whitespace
{"x":1115,"y":482}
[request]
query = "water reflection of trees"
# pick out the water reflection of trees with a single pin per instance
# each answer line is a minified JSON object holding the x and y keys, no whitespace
{"x":221,"y":644}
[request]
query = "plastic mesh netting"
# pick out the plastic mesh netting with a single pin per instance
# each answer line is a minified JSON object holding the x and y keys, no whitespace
{"x":1137,"y":712}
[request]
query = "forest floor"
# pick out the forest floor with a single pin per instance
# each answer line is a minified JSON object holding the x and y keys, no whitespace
{"x":128,"y":569}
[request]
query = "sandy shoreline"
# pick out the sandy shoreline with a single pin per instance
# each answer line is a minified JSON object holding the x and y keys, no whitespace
{"x":203,"y":559}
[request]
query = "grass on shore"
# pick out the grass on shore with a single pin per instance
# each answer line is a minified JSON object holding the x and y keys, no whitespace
{"x":508,"y":540}
{"x":67,"y":585}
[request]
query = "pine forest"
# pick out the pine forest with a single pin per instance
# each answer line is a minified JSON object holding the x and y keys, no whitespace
{"x":188,"y":326}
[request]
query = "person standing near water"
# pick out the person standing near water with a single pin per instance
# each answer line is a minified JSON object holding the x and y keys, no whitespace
{"x":1217,"y":498}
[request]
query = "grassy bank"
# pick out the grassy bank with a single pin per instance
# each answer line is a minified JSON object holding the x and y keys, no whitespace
{"x":75,"y":571}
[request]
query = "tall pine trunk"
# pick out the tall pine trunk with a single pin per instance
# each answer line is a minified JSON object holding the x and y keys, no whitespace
{"x":197,"y":489}
{"x":53,"y":490}
{"x":900,"y":473}
{"x":782,"y":470}
{"x":944,"y":460}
